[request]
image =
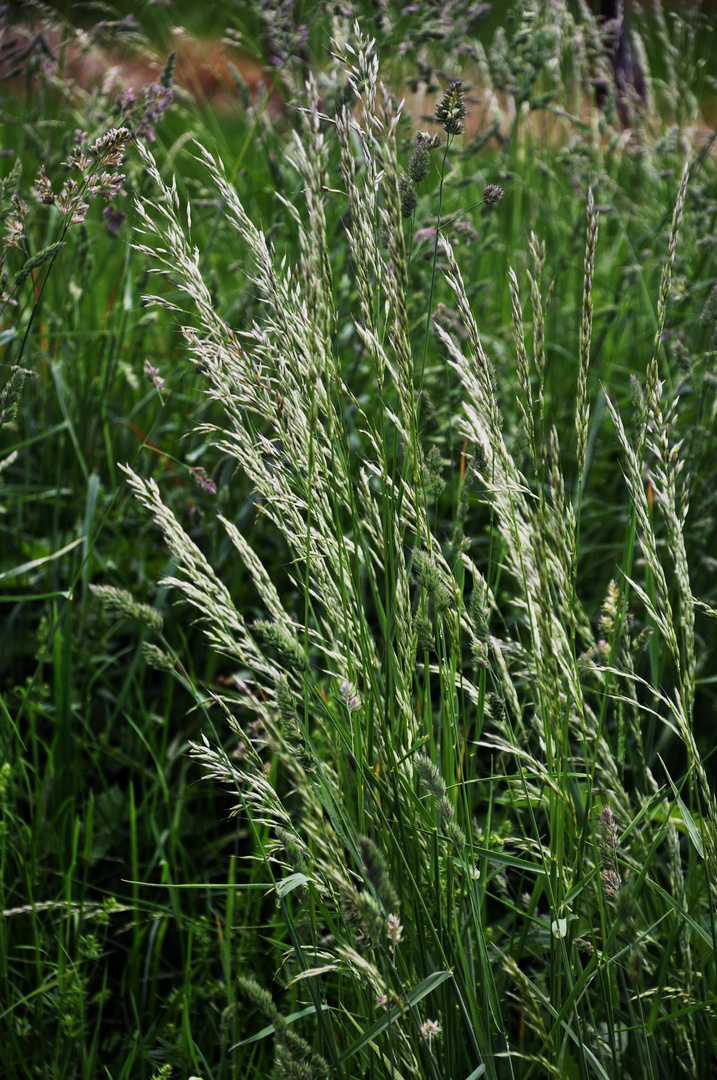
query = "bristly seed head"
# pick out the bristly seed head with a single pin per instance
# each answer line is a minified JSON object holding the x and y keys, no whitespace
{"x":492,"y":194}
{"x":409,"y":195}
{"x":610,"y":883}
{"x":608,"y":833}
{"x":451,"y":109}
{"x":419,"y":161}
{"x":394,"y":931}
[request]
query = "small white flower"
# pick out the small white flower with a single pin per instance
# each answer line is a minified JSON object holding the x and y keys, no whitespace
{"x":430,"y":1029}
{"x":350,"y":695}
{"x":559,"y":927}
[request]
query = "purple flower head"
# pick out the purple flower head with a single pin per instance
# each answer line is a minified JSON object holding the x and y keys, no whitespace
{"x":152,"y":374}
{"x":200,"y":478}
{"x":113,"y":219}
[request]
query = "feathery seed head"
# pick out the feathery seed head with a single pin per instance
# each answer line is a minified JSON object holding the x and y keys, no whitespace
{"x":376,"y":872}
{"x":152,"y":374}
{"x":156,"y":657}
{"x":200,"y":478}
{"x":639,"y":403}
{"x":608,"y":614}
{"x":294,"y":849}
{"x":285,"y":645}
{"x":119,"y":602}
{"x":454,"y":833}
{"x":285,"y":701}
{"x":394,"y":931}
{"x":259,"y":997}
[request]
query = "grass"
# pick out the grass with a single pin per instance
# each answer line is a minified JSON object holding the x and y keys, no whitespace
{"x":357,"y":576}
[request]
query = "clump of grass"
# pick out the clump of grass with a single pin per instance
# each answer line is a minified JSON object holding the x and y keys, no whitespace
{"x":472,"y":880}
{"x":457,"y":675}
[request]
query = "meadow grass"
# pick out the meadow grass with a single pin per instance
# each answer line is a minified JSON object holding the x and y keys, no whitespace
{"x":390,"y":756}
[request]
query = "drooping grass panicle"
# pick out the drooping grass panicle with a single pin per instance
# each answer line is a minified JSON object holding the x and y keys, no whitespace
{"x":200,"y":586}
{"x":120,"y":602}
{"x":309,"y":159}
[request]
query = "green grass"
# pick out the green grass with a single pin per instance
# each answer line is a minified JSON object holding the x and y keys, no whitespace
{"x":387,"y":626}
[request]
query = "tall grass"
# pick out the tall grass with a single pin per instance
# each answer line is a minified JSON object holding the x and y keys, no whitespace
{"x":476,"y":868}
{"x":455,"y":604}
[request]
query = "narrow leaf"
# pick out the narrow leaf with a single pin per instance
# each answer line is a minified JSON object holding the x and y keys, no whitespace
{"x":293,"y":881}
{"x":689,"y":821}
